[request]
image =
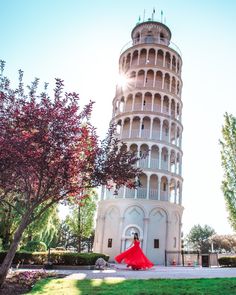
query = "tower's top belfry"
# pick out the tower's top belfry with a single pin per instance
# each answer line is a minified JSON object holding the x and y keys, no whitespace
{"x":151,"y":32}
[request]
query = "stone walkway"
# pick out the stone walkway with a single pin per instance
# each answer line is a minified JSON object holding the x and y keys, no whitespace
{"x":122,"y":272}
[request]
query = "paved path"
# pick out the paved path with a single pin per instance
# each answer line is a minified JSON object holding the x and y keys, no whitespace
{"x":120,"y":271}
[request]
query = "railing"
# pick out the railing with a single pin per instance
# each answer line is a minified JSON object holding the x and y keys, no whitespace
{"x":164,"y":165}
{"x":143,"y":163}
{"x":134,"y":132}
{"x":161,"y":41}
{"x":164,"y":196}
{"x":153,"y":194}
{"x":142,"y":193}
{"x":130,"y":193}
{"x":156,"y":108}
{"x":154,"y":164}
{"x":155,"y":135}
{"x":125,"y":134}
{"x":145,"y":133}
{"x":137,"y":106}
{"x":147,"y":107}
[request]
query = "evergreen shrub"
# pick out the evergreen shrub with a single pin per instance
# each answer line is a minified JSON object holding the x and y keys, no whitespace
{"x":57,"y":258}
{"x":227,"y":261}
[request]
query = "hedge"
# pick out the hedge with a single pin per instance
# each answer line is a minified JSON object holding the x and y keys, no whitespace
{"x":227,"y":261}
{"x":33,"y":246}
{"x":57,"y":258}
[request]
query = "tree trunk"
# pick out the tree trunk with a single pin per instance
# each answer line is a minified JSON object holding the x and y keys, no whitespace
{"x":79,"y":231}
{"x":12,"y":250}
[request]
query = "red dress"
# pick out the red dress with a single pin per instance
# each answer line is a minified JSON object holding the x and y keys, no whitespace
{"x":134,"y":257}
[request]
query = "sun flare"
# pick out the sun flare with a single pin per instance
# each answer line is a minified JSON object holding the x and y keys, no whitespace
{"x":122,"y":81}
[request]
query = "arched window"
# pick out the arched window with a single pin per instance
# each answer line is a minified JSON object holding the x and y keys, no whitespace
{"x":164,"y":192}
{"x":143,"y":57}
{"x":168,"y":60}
{"x":140,"y":78}
{"x":156,"y":127}
{"x":127,"y":66}
{"x":164,"y":158}
{"x":160,"y":55}
{"x":143,"y":162}
{"x":166,"y":105}
{"x":149,"y":38}
{"x":158,"y":83}
{"x":151,"y":57}
{"x":146,"y":128}
{"x":174,"y":64}
{"x":153,"y":187}
{"x":149,"y":79}
{"x":154,"y":163}
{"x":138,"y":102}
{"x":157,"y":103}
{"x":126,"y":128}
{"x":129,"y":102}
{"x":172,"y":189}
{"x":132,"y":78}
{"x":135,"y":127}
{"x":137,"y":38}
{"x":142,"y":191}
{"x":147,"y":103}
{"x":167,"y":82}
{"x":135,"y":58}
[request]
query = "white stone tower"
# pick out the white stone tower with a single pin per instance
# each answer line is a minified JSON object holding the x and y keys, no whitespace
{"x":147,"y":109}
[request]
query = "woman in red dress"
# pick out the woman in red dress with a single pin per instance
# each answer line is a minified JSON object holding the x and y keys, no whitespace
{"x":134,"y":256}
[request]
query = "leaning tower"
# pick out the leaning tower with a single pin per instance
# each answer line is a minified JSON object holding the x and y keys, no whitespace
{"x":147,"y":109}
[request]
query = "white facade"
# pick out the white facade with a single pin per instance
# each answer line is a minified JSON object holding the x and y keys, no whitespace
{"x":148,"y":112}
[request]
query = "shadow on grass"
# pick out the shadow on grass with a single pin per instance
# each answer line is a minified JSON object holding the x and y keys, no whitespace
{"x":219,"y":286}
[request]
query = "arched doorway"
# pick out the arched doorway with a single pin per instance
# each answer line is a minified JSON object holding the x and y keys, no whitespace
{"x":128,"y":235}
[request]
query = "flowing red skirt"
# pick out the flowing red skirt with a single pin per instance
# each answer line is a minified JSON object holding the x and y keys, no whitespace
{"x":134,"y":257}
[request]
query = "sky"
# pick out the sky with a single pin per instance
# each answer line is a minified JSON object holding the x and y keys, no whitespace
{"x":80,"y":42}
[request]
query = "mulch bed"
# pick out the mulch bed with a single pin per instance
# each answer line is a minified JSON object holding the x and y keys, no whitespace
{"x":21,"y":282}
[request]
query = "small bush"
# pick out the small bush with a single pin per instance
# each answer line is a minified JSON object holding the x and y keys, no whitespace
{"x":227,"y":261}
{"x":32,"y":246}
{"x":57,"y":258}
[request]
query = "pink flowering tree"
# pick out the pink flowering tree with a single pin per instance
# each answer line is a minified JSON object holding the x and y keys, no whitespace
{"x":50,"y":151}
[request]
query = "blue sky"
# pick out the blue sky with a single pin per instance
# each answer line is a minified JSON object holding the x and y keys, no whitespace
{"x":80,"y":42}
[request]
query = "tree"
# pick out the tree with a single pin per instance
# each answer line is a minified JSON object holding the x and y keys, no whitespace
{"x":228,"y":162}
{"x":65,"y":237}
{"x":223,"y":243}
{"x":44,"y":229}
{"x":198,"y":237}
{"x":50,"y":151}
{"x":8,"y":222}
{"x":81,"y":220}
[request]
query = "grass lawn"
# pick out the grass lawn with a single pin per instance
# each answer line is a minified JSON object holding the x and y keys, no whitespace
{"x":226,"y":286}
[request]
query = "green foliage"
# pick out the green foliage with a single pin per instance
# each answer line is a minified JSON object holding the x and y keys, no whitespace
{"x":80,"y":223}
{"x":227,"y":261}
{"x":45,"y":229}
{"x":224,"y":243}
{"x":56,"y":257}
{"x":0,"y":244}
{"x":117,"y":286}
{"x":228,"y":162}
{"x":32,"y":246}
{"x":9,"y":219}
{"x":198,"y":237}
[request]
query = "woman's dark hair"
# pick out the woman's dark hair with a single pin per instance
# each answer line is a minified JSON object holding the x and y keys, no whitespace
{"x":136,"y":236}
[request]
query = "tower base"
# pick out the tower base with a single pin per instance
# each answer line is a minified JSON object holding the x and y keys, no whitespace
{"x":158,"y":224}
